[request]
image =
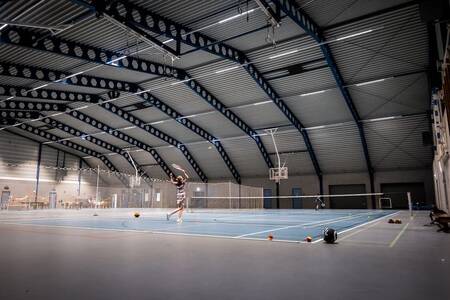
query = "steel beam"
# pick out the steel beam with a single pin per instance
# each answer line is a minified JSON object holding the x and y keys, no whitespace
{"x":18,"y":114}
{"x":24,"y":38}
{"x":117,"y":85}
{"x":75,"y":132}
{"x":122,"y":136}
{"x":289,"y":7}
{"x":146,"y":127}
{"x":74,"y":146}
{"x":91,"y":98}
{"x":15,"y":91}
{"x":32,"y":106}
{"x":163,"y":26}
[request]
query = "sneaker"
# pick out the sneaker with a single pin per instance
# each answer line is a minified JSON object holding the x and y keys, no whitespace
{"x":179,"y":221}
{"x":167,"y":217}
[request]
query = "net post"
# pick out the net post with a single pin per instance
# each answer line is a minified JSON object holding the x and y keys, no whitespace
{"x":96,"y":189}
{"x":229,"y":194}
{"x":409,"y":203}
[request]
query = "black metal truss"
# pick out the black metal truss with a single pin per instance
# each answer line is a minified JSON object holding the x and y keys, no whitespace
{"x":32,"y":105}
{"x":24,"y":38}
{"x":14,"y":91}
{"x":163,"y":26}
{"x":289,"y":7}
{"x":171,"y":112}
{"x":117,"y":85}
{"x":146,"y":127}
{"x":115,"y":12}
{"x":75,"y":132}
{"x":127,"y":117}
{"x":74,"y":146}
{"x":122,"y":136}
{"x":18,"y":114}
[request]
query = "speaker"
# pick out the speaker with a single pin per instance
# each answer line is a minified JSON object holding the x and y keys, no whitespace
{"x":427,"y":138}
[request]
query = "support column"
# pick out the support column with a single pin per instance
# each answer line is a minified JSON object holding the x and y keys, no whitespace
{"x":277,"y":188}
{"x":80,"y":165}
{"x":38,"y":172}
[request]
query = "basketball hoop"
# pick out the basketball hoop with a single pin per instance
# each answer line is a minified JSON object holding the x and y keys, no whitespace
{"x":135,"y":180}
{"x":280,"y":172}
{"x":277,"y":174}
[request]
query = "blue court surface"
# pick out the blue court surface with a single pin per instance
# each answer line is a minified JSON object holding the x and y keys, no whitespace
{"x":283,"y":225}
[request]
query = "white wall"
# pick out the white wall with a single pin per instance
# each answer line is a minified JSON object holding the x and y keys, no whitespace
{"x":18,"y":169}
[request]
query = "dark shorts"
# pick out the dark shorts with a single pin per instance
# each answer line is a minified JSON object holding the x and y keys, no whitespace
{"x":181,"y":203}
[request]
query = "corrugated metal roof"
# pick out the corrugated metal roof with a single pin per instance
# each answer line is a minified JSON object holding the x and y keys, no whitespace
{"x":179,"y":96}
{"x":216,"y":124}
{"x":245,"y":156}
{"x":145,"y":137}
{"x":261,"y":115}
{"x":396,"y":96}
{"x":178,"y":131}
{"x":320,"y":109}
{"x":209,"y":160}
{"x":399,"y":45}
{"x":231,"y":88}
{"x":338,"y":149}
{"x":338,"y":11}
{"x":397,"y":143}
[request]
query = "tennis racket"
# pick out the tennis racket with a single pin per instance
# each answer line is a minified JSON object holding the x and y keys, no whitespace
{"x":177,"y":167}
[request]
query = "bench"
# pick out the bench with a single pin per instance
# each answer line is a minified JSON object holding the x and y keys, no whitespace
{"x":442,"y":222}
{"x":440,"y":218}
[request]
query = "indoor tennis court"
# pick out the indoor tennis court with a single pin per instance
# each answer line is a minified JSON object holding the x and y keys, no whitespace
{"x":283,"y":225}
{"x":224,"y":149}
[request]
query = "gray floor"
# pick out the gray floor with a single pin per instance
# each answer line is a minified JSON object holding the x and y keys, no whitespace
{"x":377,"y":261}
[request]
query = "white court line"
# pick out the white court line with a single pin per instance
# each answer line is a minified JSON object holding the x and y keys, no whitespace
{"x":299,"y":225}
{"x":343,"y":219}
{"x":360,"y":225}
{"x":151,"y":232}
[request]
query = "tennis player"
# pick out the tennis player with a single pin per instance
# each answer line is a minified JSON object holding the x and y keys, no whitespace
{"x":180,"y":183}
{"x":319,"y":203}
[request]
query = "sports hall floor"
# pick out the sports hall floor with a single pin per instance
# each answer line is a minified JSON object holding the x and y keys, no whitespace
{"x":221,"y":255}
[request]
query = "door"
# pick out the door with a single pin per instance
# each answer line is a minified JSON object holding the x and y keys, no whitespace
{"x":350,"y":202}
{"x":398,"y":194}
{"x":296,"y":202}
{"x":267,"y":198}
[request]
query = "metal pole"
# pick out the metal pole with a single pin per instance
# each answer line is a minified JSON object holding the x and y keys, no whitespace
{"x":96,"y":191}
{"x":229,"y":193}
{"x":80,"y":166}
{"x":38,"y":172}
{"x":409,"y":203}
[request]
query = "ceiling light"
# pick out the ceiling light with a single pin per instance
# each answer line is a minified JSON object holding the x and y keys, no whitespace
{"x":263,"y":102}
{"x":312,"y":93}
{"x":382,"y":119}
{"x":353,"y":35}
{"x":284,"y":54}
{"x":39,"y":87}
{"x":236,"y":16}
{"x":370,"y":82}
{"x":226,"y":70}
